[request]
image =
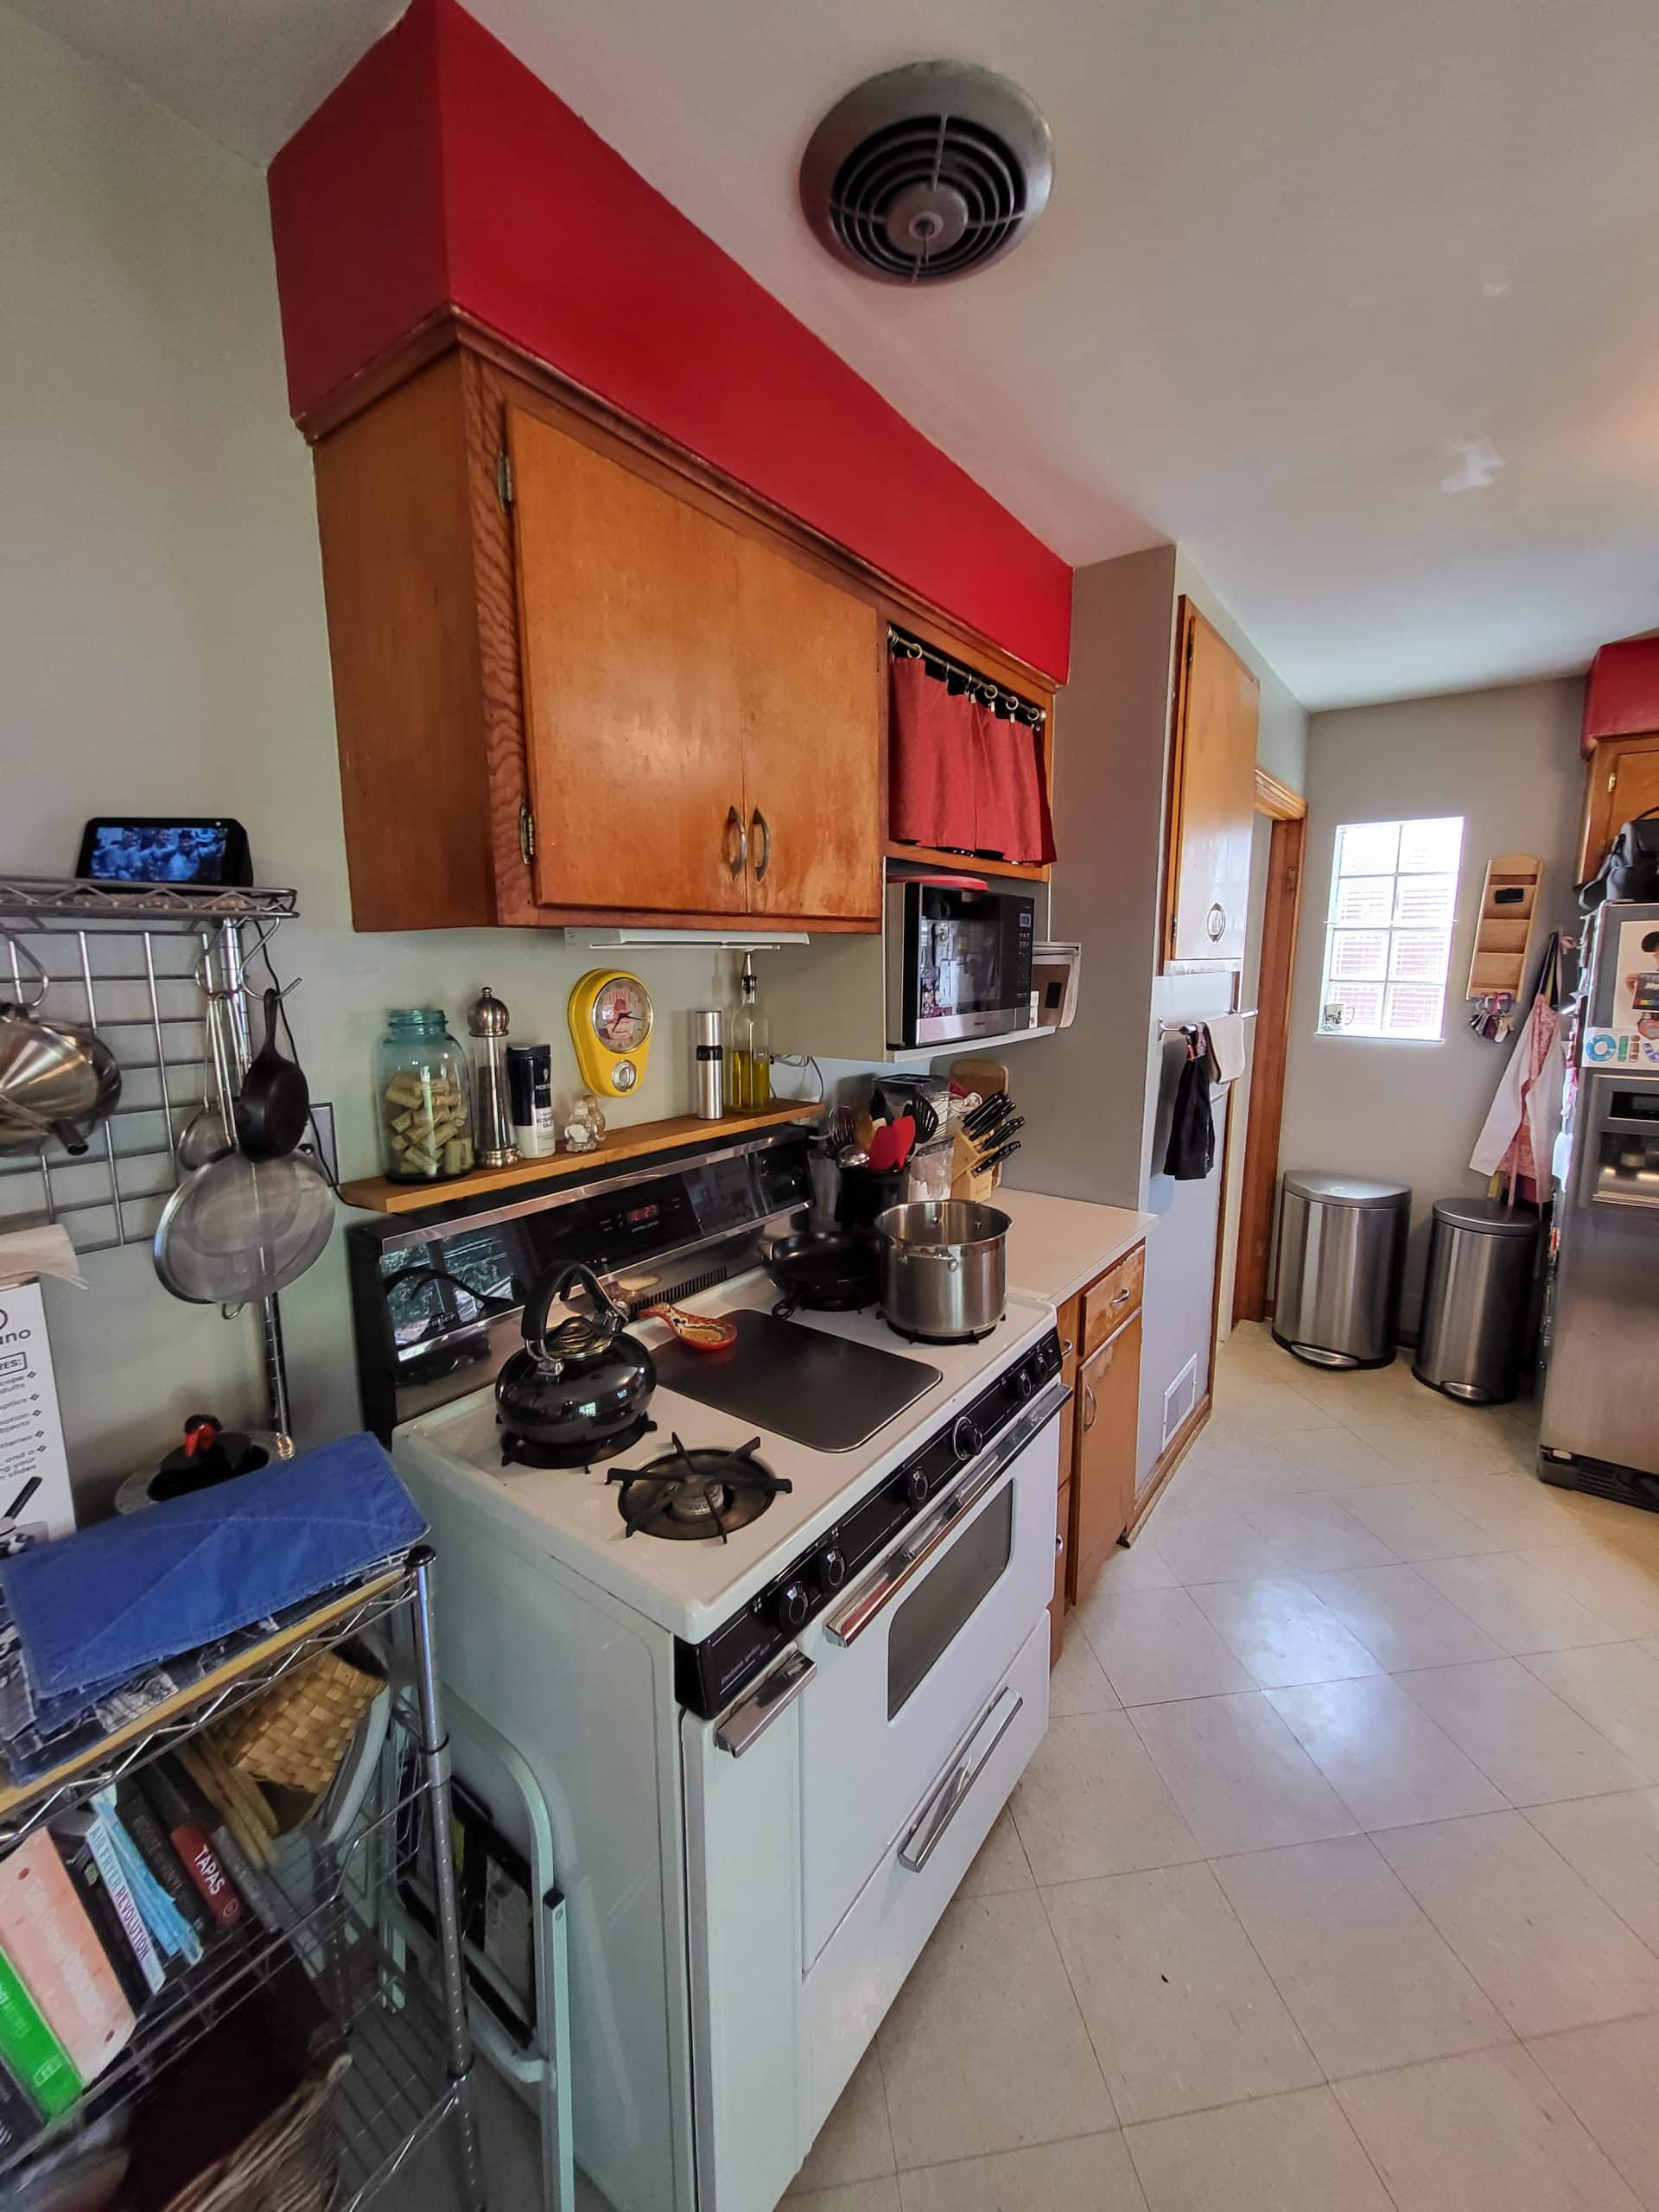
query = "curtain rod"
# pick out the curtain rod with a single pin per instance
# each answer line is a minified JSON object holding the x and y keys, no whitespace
{"x":900,"y":643}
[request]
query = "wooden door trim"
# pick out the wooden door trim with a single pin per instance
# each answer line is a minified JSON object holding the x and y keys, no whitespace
{"x":1281,"y":920}
{"x":1276,"y":800}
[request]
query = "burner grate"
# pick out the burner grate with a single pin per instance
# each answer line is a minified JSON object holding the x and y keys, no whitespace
{"x":523,"y":1451}
{"x":691,"y":1494}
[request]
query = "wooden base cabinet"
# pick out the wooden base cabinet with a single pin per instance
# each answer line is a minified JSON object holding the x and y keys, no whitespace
{"x":574,"y":685}
{"x":1108,"y":1393}
{"x":1100,"y":1358}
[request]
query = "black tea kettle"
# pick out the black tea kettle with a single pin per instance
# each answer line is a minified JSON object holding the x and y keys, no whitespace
{"x":579,"y":1392}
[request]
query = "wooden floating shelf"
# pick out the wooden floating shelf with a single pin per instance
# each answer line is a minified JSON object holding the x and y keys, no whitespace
{"x":376,"y":1194}
{"x":965,"y":863}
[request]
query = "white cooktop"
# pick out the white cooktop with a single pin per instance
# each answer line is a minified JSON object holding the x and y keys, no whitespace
{"x":691,"y":1588}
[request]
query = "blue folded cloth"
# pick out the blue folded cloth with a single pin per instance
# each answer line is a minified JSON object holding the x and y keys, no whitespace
{"x":97,"y":1608}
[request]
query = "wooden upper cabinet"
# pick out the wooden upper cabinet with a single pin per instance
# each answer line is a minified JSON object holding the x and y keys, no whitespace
{"x":810,"y":671}
{"x":1623,"y":782}
{"x":627,"y":624}
{"x":578,"y":681}
{"x":1212,"y":797}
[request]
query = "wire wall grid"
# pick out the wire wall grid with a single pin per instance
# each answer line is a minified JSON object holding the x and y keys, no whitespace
{"x":125,"y":960}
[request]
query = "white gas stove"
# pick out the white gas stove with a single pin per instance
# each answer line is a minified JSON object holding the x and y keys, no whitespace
{"x":765,"y":1762}
{"x":692,"y":1588}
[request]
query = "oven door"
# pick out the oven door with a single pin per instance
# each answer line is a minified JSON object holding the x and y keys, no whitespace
{"x":958,"y":962}
{"x":908,"y":1657}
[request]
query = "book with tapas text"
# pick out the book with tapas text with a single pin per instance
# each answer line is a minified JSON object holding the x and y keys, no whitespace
{"x":33,"y":2054}
{"x":50,"y":1940}
{"x":189,"y":1820}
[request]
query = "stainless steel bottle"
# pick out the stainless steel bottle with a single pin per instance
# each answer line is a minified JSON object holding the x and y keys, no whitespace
{"x":708,"y":1064}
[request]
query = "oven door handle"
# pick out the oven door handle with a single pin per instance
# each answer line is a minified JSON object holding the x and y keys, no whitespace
{"x":927,"y":1832}
{"x":849,"y":1622}
{"x":749,"y":1719}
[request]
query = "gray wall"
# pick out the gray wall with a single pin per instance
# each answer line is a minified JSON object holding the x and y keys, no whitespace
{"x":1092,"y":1094}
{"x":1507,"y":760}
{"x":162,"y":633}
{"x":1084,"y":1092}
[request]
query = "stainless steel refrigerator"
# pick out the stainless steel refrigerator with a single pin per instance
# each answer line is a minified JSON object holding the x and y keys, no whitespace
{"x":1601,"y":1425}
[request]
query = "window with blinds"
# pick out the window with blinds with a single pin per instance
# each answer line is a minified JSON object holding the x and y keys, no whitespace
{"x":1387,"y":937}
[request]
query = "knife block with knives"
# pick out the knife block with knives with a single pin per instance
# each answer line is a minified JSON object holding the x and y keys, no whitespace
{"x":983,"y":1139}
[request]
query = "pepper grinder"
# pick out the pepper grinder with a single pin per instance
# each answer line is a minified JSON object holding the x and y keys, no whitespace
{"x":489,"y":1021}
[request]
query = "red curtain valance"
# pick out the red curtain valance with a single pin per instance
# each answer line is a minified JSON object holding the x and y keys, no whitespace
{"x":963,"y":777}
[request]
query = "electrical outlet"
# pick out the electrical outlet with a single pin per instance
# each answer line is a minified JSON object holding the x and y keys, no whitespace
{"x":320,"y":1136}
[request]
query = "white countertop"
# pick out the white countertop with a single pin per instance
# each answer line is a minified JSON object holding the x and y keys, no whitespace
{"x":1056,"y":1245}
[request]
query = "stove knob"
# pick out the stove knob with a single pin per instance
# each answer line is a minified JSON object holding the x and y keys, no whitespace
{"x":965,"y":1440}
{"x":1024,"y":1383}
{"x":916,"y":1485}
{"x":793,"y":1605}
{"x":832,"y":1570}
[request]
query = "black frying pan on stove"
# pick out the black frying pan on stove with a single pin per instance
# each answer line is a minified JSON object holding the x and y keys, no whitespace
{"x":826,"y":1270}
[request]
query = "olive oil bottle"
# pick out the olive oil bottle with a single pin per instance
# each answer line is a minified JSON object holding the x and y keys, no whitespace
{"x":748,"y":1062}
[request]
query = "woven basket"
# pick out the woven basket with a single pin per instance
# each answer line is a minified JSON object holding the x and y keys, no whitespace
{"x":288,"y":2164}
{"x":297,"y":1732}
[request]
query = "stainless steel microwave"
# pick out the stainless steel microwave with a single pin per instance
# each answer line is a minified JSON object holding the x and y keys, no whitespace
{"x":959,"y":957}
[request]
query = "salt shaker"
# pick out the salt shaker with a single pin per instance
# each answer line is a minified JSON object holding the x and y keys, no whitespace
{"x":488,"y":1022}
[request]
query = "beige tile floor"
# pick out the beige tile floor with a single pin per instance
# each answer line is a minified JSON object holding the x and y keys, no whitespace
{"x":1334,"y":1885}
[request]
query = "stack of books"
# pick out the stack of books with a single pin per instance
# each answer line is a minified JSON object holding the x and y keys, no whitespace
{"x":110,"y":1910}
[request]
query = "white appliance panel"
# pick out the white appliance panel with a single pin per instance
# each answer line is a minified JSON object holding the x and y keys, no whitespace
{"x":585,"y":1691}
{"x":860,"y":1766}
{"x":851,"y":1984}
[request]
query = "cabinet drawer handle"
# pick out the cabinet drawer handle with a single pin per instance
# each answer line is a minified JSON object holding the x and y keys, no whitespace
{"x":1123,"y":1297}
{"x":1090,"y":1408}
{"x":762,"y":829}
{"x":1215,"y":922}
{"x":735,"y":821}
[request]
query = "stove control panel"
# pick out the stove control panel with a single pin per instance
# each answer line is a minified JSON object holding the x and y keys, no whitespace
{"x":709,"y":1674}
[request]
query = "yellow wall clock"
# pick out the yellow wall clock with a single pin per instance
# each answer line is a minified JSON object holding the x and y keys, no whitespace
{"x":611,"y":1017}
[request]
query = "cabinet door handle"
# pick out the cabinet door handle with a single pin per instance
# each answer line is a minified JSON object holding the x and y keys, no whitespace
{"x":1066,"y":1347}
{"x":762,"y":829}
{"x":1060,"y":1543}
{"x":1090,"y":1408}
{"x":735,"y":821}
{"x":1215,"y":922}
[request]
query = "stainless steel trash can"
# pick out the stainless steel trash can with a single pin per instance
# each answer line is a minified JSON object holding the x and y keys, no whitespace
{"x":1342,"y":1244}
{"x":1473,"y":1327}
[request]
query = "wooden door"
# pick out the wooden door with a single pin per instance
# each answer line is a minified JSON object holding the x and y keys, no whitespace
{"x":1211,"y":799}
{"x":1109,"y":1393}
{"x":1623,"y":782}
{"x":810,"y":672}
{"x":628,"y":610}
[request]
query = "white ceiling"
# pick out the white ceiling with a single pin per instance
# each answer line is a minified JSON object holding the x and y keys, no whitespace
{"x":1358,"y":302}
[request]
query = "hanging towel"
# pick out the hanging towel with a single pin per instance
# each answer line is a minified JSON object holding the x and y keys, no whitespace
{"x":1227,"y":1045}
{"x":1517,"y":1142}
{"x":1192,"y":1151}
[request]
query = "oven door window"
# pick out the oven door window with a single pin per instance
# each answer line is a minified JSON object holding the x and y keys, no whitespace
{"x":963,"y":961}
{"x":925,"y":1623}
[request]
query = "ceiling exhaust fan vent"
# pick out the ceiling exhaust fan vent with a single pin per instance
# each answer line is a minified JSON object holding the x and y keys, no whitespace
{"x":927,"y":172}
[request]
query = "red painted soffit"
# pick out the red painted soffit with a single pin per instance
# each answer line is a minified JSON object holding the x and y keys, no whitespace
{"x":441,"y":171}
